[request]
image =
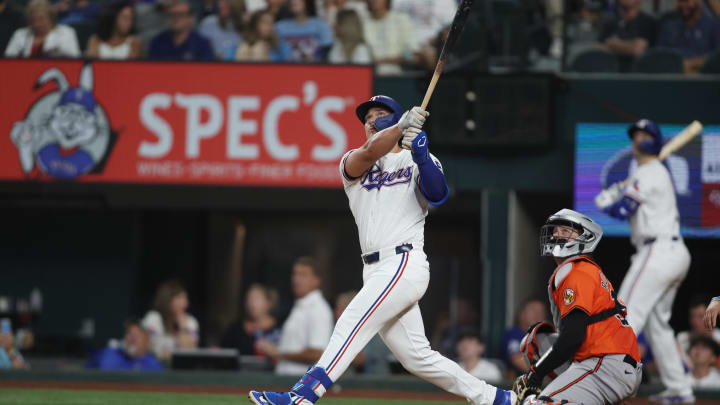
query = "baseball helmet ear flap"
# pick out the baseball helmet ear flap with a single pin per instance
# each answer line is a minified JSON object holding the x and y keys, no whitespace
{"x":652,"y":146}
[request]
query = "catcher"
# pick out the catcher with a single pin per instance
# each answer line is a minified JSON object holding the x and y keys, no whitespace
{"x":594,"y":336}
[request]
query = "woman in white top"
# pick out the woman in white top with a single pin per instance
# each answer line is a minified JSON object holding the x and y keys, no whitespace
{"x":114,"y":37}
{"x":43,"y":38}
{"x":349,"y":45}
{"x":170,"y":325}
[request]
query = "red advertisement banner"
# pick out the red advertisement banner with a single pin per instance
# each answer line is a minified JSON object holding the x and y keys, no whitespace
{"x":193,"y":123}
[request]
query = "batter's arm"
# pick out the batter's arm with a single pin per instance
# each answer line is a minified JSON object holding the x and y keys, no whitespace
{"x":383,"y":142}
{"x":374,"y":148}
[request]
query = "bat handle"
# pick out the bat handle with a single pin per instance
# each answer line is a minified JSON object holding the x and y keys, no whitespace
{"x":431,"y":86}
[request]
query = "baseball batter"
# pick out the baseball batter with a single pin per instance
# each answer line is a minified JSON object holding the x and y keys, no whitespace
{"x":389,"y":189}
{"x":661,"y":260}
{"x":594,"y":334}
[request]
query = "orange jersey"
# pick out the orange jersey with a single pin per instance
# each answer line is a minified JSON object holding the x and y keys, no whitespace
{"x":580,"y":283}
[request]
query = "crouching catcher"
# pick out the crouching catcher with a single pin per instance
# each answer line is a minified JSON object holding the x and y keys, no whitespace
{"x":593,"y":335}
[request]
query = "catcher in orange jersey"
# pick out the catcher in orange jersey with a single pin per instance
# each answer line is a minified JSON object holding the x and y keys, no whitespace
{"x":593,"y":333}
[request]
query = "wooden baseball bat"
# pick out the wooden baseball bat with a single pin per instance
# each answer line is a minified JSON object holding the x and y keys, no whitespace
{"x":455,"y":30}
{"x":676,"y":143}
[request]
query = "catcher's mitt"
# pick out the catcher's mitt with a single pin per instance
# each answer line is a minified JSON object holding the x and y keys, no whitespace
{"x":524,"y":389}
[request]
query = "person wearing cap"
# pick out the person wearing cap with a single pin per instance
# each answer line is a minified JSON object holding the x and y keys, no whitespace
{"x":390,"y":181}
{"x":661,"y":261}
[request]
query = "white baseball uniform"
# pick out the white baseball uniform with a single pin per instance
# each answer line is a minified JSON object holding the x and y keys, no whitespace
{"x":390,"y":211}
{"x":657,"y":269}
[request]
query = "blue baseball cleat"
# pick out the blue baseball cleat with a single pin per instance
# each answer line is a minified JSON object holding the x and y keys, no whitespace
{"x":277,"y":398}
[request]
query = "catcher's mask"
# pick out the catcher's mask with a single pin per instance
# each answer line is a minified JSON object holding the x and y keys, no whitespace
{"x":555,"y":239}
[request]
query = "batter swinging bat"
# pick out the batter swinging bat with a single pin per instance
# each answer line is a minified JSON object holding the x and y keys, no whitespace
{"x":455,"y":30}
{"x":676,"y":143}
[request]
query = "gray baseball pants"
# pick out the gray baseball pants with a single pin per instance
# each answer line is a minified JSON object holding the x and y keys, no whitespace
{"x":596,"y":381}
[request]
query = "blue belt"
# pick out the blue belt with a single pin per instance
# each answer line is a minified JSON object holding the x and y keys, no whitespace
{"x":374,"y":257}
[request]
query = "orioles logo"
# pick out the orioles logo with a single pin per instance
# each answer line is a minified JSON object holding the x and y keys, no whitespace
{"x":568,"y":296}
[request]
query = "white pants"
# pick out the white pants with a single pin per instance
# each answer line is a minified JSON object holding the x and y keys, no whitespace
{"x":648,"y":290}
{"x":388,"y":304}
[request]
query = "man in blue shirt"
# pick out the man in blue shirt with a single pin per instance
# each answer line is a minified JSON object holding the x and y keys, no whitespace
{"x":309,"y":36}
{"x":181,"y":41}
{"x":134,"y":354}
{"x":691,"y":32}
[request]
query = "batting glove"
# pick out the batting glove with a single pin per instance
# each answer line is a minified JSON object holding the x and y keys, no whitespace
{"x":526,"y":385}
{"x":415,"y":118}
{"x":609,"y":196}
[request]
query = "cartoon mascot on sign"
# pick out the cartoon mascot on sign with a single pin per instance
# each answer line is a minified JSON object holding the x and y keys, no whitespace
{"x":66,"y":133}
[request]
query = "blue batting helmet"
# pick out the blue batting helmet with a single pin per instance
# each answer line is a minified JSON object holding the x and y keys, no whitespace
{"x":79,"y":96}
{"x":382,"y":102}
{"x":651,"y":146}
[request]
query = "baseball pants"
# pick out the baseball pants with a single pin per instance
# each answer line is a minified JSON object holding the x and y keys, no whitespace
{"x":388,"y":304}
{"x":596,"y":381}
{"x":648,"y":290}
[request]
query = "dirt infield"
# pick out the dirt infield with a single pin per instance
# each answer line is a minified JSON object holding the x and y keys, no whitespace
{"x":218,"y":389}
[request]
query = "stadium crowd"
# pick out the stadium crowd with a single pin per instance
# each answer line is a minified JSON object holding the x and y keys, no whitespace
{"x":289,"y":344}
{"x":395,"y":35}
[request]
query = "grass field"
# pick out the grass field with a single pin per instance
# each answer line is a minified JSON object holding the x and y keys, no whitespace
{"x":24,"y":396}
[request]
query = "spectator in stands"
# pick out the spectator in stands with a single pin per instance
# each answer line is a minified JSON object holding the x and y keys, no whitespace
{"x":279,"y":9}
{"x":259,"y":322}
{"x":349,"y":46}
{"x":307,"y":330}
{"x":10,"y":357}
{"x":696,"y":313}
{"x":628,"y":33}
{"x":261,"y":44}
{"x":10,"y":20}
{"x":470,"y":350}
{"x":331,"y":8}
{"x":223,"y":29}
{"x":133,"y":354}
{"x":691,"y":32}
{"x":447,"y":330}
{"x":309,"y":36}
{"x":429,"y":18}
{"x":169,"y":324}
{"x":391,"y":37}
{"x":115,"y":36}
{"x":43,"y":38}
{"x":530,"y":313}
{"x":181,"y":41}
{"x":71,"y":12}
{"x":151,"y":20}
{"x":704,"y":352}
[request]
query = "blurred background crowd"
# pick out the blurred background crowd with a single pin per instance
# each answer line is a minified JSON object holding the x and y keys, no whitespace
{"x":286,"y":339}
{"x":648,"y":36}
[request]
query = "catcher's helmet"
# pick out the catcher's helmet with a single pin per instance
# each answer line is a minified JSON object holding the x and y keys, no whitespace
{"x":653,"y":146}
{"x":589,"y":233}
{"x":538,"y":340}
{"x":382,"y":102}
